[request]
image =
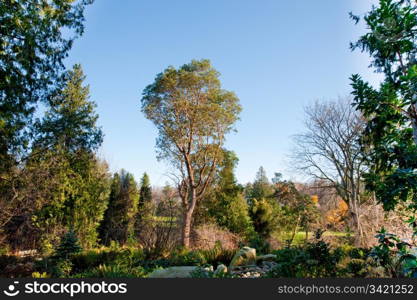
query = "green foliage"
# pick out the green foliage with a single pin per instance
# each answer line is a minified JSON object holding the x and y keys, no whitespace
{"x":259,"y":243}
{"x":76,"y":182}
{"x":36,"y":38}
{"x":145,"y":204}
{"x":261,"y":187}
{"x":193,"y":114}
{"x":145,"y":194}
{"x":298,"y":211}
{"x":119,"y":218}
{"x":315,"y":260}
{"x":69,"y":246}
{"x":62,"y":268}
{"x":225,"y":203}
{"x":71,"y":119}
{"x":265,"y":216}
{"x":40,"y":275}
{"x":391,"y":134}
{"x":217,"y":255}
{"x":394,"y":255}
{"x":112,"y":271}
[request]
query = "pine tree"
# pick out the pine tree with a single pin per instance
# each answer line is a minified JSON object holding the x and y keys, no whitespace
{"x":69,"y":245}
{"x":69,"y":130}
{"x":226,"y":203}
{"x":261,"y":187}
{"x":145,"y":194}
{"x":119,"y":219}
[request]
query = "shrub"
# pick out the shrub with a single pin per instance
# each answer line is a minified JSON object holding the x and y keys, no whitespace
{"x":185,"y":257}
{"x":208,"y":235}
{"x":62,"y":268}
{"x":260,"y":244}
{"x":314,"y":260}
{"x":218,"y":255}
{"x":113,"y":271}
{"x":158,"y":235}
{"x":394,"y":255}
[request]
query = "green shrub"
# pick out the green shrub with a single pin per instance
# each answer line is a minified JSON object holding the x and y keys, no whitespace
{"x":62,"y":268}
{"x":112,"y":271}
{"x":217,"y":255}
{"x":187,"y":258}
{"x":394,"y":255}
{"x":356,"y":267}
{"x":314,"y":260}
{"x":259,"y":243}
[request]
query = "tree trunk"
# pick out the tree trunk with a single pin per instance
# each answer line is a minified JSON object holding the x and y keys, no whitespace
{"x":186,"y":228}
{"x":188,"y":216}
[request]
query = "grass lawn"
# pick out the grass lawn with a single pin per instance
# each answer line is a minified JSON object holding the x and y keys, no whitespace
{"x":300,"y":236}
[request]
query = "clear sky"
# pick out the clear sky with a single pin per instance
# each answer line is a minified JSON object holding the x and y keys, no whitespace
{"x":276,"y":55}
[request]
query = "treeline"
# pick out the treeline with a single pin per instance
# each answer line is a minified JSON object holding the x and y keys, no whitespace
{"x":363,"y":149}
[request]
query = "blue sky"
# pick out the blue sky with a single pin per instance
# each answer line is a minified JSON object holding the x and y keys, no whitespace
{"x":276,"y":55}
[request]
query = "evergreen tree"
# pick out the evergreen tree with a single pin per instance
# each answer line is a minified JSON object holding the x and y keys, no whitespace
{"x":226,"y":203}
{"x":145,"y":194}
{"x":118,"y":223}
{"x":36,"y":37}
{"x":71,"y":119}
{"x":261,"y":187}
{"x":69,"y":246}
{"x":69,"y":130}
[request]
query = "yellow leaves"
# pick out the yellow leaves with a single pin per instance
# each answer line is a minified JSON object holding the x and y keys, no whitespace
{"x":335,"y":216}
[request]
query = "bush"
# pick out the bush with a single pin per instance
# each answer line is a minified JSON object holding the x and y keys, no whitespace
{"x":260,"y":244}
{"x":206,"y":237}
{"x":113,"y":271}
{"x":158,"y":235}
{"x":394,"y":255}
{"x":185,"y":257}
{"x":314,"y":260}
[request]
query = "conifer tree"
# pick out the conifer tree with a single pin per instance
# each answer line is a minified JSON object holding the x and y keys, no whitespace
{"x":119,"y":219}
{"x":69,"y":130}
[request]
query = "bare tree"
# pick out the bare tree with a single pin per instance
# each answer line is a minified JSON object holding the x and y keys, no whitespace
{"x":329,"y":151}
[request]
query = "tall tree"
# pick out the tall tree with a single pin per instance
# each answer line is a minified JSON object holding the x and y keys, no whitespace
{"x":32,"y":50}
{"x":390,"y":139}
{"x":145,"y":193}
{"x":261,"y":188}
{"x":192,"y":114}
{"x":329,"y":150}
{"x":71,"y":119}
{"x":69,"y":129}
{"x":119,"y":218}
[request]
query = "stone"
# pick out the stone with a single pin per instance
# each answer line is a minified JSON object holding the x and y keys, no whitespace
{"x":244,"y":257}
{"x":220,"y":269}
{"x":173,"y":272}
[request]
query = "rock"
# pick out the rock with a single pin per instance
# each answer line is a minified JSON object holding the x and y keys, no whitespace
{"x":208,"y":269}
{"x":266,"y":257}
{"x":244,"y":257}
{"x":173,"y":272}
{"x":220,"y":269}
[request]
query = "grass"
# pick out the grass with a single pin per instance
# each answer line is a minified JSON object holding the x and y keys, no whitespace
{"x":299,"y":237}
